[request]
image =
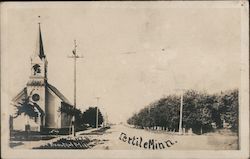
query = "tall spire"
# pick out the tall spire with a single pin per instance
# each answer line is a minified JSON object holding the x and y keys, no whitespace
{"x":40,"y":50}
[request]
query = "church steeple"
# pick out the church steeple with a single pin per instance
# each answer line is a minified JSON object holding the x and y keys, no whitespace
{"x":40,"y":50}
{"x":39,"y":61}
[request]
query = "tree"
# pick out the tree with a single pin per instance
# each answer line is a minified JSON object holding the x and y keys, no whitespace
{"x":190,"y":115}
{"x":89,"y":116}
{"x":228,"y":108}
{"x":28,"y":108}
{"x":162,"y":113}
{"x":70,"y":110}
{"x":200,"y":110}
{"x":215,"y":111}
{"x":204,"y":107}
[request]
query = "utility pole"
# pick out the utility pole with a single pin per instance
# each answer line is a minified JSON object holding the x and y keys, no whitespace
{"x":97,"y":100}
{"x":181,"y":108}
{"x":106,"y":119}
{"x":75,"y":57}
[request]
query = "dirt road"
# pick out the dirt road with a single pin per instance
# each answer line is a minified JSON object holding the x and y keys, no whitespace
{"x":121,"y":137}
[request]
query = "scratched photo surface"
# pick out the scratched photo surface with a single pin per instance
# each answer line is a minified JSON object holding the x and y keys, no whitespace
{"x":122,"y":76}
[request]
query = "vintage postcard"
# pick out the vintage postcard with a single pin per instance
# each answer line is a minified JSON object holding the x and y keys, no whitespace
{"x":132,"y":79}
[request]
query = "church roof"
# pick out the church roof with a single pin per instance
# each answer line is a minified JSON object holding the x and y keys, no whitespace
{"x":58,"y":93}
{"x":21,"y":93}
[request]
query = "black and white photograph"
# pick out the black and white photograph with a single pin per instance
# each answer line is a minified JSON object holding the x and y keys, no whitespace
{"x":129,"y":79}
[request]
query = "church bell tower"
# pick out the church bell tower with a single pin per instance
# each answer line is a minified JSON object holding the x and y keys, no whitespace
{"x":36,"y":86}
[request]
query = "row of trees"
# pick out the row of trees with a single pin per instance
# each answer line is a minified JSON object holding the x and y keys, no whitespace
{"x":201,"y":111}
{"x":82,"y":119}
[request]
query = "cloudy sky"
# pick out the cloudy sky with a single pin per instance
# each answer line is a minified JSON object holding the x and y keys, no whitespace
{"x":133,"y":54}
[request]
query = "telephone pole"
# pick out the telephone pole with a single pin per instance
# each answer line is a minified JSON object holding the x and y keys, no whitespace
{"x":181,"y":110}
{"x":75,"y":57}
{"x":106,"y":119}
{"x":97,"y":100}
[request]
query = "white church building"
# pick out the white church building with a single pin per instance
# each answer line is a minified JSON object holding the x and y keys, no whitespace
{"x":47,"y":98}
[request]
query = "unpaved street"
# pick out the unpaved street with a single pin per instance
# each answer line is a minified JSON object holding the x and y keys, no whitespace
{"x":120,"y":137}
{"x":123,"y":137}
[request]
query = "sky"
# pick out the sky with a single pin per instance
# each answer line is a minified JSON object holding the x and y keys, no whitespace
{"x":133,"y":54}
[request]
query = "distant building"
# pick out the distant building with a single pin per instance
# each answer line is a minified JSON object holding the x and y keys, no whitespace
{"x":46,"y":97}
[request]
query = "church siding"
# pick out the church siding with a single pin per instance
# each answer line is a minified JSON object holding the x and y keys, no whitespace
{"x":66,"y":118}
{"x":53,"y":118}
{"x":18,"y":122}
